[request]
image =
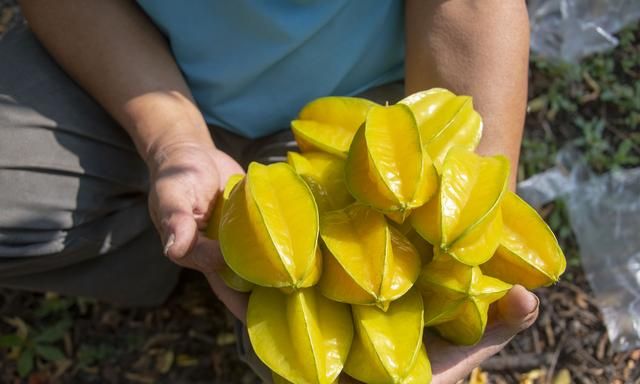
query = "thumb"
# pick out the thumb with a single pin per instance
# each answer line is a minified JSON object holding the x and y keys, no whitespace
{"x":517,"y":310}
{"x":173,"y":216}
{"x":180,"y":233}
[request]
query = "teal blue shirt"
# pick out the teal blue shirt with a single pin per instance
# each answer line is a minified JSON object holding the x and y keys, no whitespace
{"x":252,"y":64}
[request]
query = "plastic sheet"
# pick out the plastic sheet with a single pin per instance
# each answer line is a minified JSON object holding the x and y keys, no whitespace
{"x":604,"y":213}
{"x":572,"y":29}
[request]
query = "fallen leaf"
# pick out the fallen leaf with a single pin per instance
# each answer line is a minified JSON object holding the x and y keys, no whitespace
{"x":532,"y":376}
{"x":160,"y":338}
{"x":164,"y":361}
{"x":62,"y":366}
{"x":563,"y":377}
{"x":184,"y":360}
{"x":225,"y":339}
{"x":22,"y":329}
{"x":478,"y":377}
{"x":140,"y":378}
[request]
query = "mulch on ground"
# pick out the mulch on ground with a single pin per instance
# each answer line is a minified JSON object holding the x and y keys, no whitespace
{"x":568,"y":340}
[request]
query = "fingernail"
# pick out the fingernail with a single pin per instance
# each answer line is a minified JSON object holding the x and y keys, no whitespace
{"x":170,"y":241}
{"x":535,"y":308}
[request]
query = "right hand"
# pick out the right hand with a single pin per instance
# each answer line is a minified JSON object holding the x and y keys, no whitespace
{"x":186,"y":180}
{"x":451,"y":363}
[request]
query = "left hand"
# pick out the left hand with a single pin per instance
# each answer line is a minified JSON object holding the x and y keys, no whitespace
{"x":186,"y":180}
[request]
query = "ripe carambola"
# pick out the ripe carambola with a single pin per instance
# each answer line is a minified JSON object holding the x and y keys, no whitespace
{"x":269,"y":236}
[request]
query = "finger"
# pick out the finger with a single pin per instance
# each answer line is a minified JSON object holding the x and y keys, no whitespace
{"x":518,"y":309}
{"x":514,"y":313}
{"x":173,"y":215}
{"x":204,"y":256}
{"x":235,"y":301}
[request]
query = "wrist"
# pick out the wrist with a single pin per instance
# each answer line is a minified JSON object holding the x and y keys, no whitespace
{"x":162,"y":122}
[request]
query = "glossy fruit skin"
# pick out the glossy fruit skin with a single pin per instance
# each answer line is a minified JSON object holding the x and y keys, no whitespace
{"x":303,"y":337}
{"x":464,"y":218}
{"x":366,"y":261}
{"x":528,"y":254}
{"x":269,"y":236}
{"x":324,"y":174}
{"x":328,"y":124}
{"x":457,"y":298}
{"x":382,"y":352}
{"x":445,"y":120}
{"x":387,"y":167}
{"x":230,"y":278}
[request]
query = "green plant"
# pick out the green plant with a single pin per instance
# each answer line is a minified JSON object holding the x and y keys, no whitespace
{"x":88,"y":355}
{"x":28,"y":344}
{"x":594,"y":144}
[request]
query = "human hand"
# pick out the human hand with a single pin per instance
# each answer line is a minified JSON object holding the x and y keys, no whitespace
{"x":186,"y":179}
{"x":450,"y":363}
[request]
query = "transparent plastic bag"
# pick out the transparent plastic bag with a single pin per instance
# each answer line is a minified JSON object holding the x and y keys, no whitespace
{"x":604,"y":213}
{"x":572,"y":29}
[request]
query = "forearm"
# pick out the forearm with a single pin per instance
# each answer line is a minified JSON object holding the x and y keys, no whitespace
{"x":477,"y":48}
{"x":119,"y":57}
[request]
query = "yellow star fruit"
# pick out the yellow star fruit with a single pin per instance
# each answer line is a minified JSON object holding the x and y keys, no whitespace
{"x":424,"y":248}
{"x":324,"y":173}
{"x":457,"y":298}
{"x":445,"y":120}
{"x":226,"y":274}
{"x":387,"y":347}
{"x":365,"y":261}
{"x":269,"y":228}
{"x":529,"y":253}
{"x":387,"y":166}
{"x":303,"y":337}
{"x":463,"y":219}
{"x":328,"y":124}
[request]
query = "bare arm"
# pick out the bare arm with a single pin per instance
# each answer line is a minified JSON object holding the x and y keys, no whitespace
{"x":115,"y":53}
{"x":478,"y":48}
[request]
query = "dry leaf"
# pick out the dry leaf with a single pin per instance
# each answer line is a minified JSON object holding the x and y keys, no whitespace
{"x":563,"y":377}
{"x":478,"y":376}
